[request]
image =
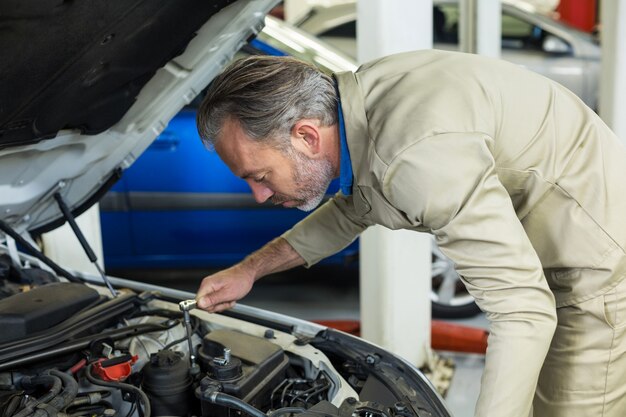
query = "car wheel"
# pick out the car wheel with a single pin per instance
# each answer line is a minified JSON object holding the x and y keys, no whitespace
{"x":449,"y":298}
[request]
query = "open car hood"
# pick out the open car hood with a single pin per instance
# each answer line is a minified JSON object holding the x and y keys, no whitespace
{"x":88,"y":85}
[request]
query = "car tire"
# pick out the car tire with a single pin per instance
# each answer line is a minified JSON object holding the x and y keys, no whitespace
{"x":449,"y":298}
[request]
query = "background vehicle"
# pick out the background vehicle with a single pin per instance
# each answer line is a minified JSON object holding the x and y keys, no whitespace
{"x":529,"y":38}
{"x":117,"y":74}
{"x":206,"y":216}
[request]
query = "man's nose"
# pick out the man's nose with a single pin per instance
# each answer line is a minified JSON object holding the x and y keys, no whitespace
{"x":261,"y":192}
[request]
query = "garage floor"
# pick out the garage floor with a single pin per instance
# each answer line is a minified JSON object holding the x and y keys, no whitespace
{"x":323,"y":293}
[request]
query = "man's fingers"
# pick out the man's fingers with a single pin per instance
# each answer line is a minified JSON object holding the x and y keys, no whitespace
{"x":218,"y":299}
{"x":203,"y":302}
{"x":207,"y":301}
{"x":220,"y":291}
{"x":210,"y":293}
{"x":221,"y":307}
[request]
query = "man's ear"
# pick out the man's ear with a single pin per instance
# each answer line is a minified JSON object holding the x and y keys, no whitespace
{"x":306,"y":137}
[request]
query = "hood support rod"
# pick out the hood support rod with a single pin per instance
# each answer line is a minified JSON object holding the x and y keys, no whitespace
{"x":81,"y":238}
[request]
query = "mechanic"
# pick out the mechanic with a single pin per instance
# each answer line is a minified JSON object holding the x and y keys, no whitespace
{"x":522,"y":185}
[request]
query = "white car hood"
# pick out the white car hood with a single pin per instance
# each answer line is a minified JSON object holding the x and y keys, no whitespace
{"x":80,"y":166}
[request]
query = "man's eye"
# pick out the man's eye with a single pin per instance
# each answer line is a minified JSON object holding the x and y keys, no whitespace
{"x":259,"y":179}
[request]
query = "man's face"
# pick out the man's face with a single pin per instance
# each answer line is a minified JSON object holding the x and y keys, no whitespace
{"x":288,"y":178}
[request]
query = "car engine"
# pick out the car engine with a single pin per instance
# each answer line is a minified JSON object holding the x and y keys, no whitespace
{"x":70,"y":349}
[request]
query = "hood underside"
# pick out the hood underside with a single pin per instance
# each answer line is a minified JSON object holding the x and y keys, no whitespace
{"x":80,"y":65}
{"x":88,"y":85}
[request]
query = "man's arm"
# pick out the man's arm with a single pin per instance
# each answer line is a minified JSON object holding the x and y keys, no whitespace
{"x":324,"y":232}
{"x":327,"y":230}
{"x":221,"y":290}
{"x":449,"y":183}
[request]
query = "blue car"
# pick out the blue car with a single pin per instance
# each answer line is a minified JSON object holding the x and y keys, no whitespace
{"x":179,"y":206}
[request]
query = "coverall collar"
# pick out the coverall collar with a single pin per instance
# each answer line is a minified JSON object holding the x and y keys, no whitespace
{"x":345,"y":175}
{"x":352,"y":119}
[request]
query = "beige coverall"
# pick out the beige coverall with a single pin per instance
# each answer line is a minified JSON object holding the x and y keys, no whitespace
{"x":523,"y":187}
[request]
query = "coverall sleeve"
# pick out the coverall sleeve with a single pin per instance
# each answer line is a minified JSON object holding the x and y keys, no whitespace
{"x":327,"y":230}
{"x":449,"y":184}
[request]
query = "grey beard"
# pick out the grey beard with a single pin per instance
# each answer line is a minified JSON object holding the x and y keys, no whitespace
{"x":313,"y":178}
{"x":312,"y":203}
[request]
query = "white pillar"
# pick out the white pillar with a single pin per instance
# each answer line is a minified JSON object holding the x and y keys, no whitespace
{"x":388,"y":27}
{"x":62,"y":246}
{"x":395,"y":276}
{"x":480,"y":30}
{"x":395,"y":291}
{"x":612,"y":104}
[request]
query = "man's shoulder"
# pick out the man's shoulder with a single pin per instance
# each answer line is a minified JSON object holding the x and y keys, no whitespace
{"x":422,"y":54}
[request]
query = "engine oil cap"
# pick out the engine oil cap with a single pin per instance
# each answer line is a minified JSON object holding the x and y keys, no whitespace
{"x":115,"y":369}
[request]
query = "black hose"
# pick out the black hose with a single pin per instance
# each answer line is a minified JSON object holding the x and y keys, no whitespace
{"x":122,"y":386}
{"x":286,"y":410}
{"x":12,"y":405}
{"x":89,"y":409}
{"x":102,"y":392}
{"x":92,"y":398}
{"x":47,"y":406}
{"x":68,"y":395}
{"x":36,"y":252}
{"x":174,"y":343}
{"x":229,"y":401}
{"x":196,"y":326}
{"x":55,"y":383}
{"x":30,"y":382}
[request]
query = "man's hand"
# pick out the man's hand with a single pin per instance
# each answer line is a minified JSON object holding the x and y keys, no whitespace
{"x":220,"y":291}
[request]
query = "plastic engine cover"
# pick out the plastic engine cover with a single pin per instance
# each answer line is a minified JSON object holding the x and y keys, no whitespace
{"x":29,"y":312}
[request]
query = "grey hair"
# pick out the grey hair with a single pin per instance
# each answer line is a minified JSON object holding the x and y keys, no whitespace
{"x":267,"y":95}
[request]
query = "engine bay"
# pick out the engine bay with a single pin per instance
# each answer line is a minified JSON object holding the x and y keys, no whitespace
{"x":71,"y":349}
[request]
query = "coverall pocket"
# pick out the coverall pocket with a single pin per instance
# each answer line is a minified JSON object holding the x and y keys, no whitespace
{"x":615,"y":306}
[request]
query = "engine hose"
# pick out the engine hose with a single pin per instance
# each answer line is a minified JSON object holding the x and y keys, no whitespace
{"x":229,"y":401}
{"x":92,"y":398}
{"x":89,"y":409}
{"x":12,"y":405}
{"x":29,"y":382}
{"x":60,"y":401}
{"x":286,"y":410}
{"x":122,"y":386}
{"x":68,"y":395}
